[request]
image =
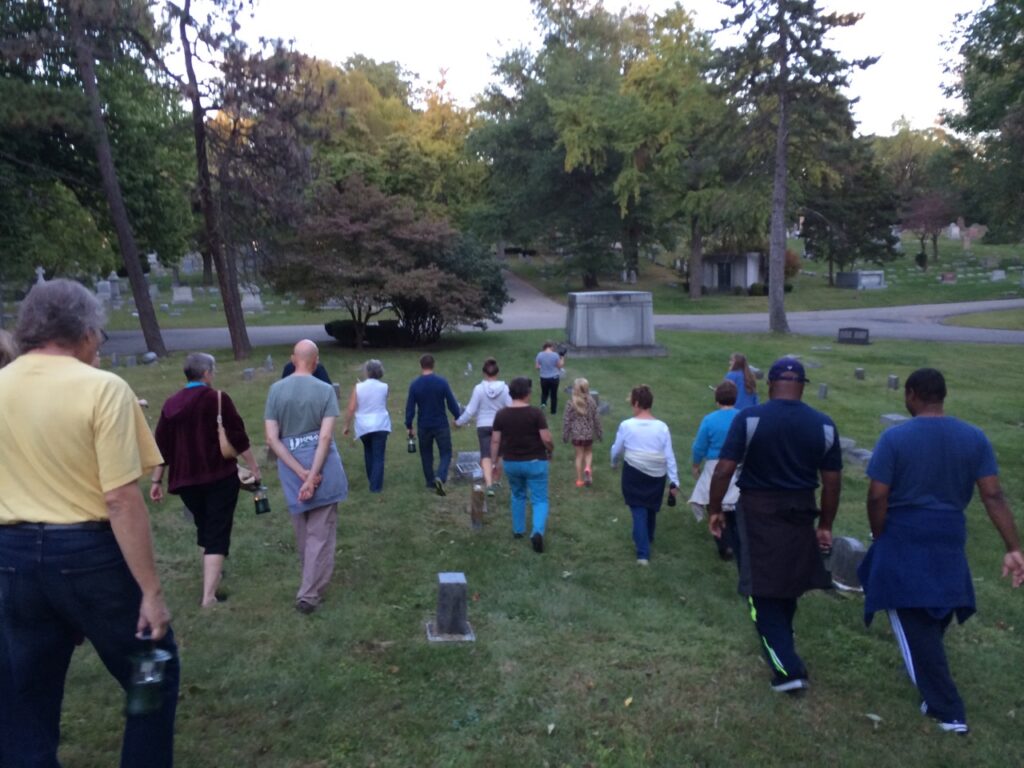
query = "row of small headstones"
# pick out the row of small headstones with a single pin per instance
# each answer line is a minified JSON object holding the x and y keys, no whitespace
{"x":892,"y":382}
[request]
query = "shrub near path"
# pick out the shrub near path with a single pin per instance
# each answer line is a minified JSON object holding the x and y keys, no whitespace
{"x":582,"y":658}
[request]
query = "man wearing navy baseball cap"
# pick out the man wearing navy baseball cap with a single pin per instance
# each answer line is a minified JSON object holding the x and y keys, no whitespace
{"x":783,"y":445}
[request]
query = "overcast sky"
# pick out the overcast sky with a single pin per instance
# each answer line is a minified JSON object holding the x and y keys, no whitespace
{"x":465,"y":37}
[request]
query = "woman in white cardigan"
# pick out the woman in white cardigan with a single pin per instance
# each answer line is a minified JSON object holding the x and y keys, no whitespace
{"x":645,"y":445}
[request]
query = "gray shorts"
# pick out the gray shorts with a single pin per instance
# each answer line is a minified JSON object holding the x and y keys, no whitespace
{"x":483,"y":436}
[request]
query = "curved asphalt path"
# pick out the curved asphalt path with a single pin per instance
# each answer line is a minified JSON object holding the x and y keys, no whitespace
{"x":532,"y":310}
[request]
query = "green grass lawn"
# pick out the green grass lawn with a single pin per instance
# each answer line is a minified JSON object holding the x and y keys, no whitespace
{"x":908,"y":284}
{"x":582,"y":658}
{"x":1009,"y":320}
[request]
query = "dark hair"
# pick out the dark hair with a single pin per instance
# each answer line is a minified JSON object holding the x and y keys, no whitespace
{"x":642,"y":397}
{"x":59,"y":311}
{"x":725,"y":393}
{"x":519,"y":387}
{"x":490,"y":367}
{"x":427,"y":362}
{"x":197,"y":364}
{"x":928,"y":384}
{"x":548,"y":345}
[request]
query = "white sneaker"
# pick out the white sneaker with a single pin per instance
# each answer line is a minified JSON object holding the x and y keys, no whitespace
{"x":789,"y":686}
{"x":955,"y":727}
{"x":642,"y":561}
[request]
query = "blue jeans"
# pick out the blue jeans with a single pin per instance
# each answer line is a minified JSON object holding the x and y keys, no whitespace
{"x":443,"y":437}
{"x":644,"y":522}
{"x":374,"y":444}
{"x":56,"y":587}
{"x":528,"y":477}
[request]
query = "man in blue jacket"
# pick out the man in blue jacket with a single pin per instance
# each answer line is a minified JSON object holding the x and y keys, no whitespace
{"x":923,"y":475}
{"x":430,"y":394}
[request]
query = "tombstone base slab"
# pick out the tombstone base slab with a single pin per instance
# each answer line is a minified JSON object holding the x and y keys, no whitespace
{"x":650,"y":350}
{"x":434,"y":636}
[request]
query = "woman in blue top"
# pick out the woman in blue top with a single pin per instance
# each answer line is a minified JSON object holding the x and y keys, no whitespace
{"x":746,"y":385}
{"x":710,"y":438}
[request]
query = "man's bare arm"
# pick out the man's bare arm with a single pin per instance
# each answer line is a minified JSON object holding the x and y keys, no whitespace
{"x":719,"y":486}
{"x":831,"y":486}
{"x":1002,"y":518}
{"x":272,"y":430}
{"x":878,"y":507}
{"x":129,"y":521}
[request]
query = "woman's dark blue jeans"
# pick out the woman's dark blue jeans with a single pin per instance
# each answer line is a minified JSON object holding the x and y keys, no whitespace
{"x":374,"y":445}
{"x":644,"y":523}
{"x":56,"y":587}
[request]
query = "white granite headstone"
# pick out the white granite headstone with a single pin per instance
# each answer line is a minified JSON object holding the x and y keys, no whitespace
{"x":251,"y":301}
{"x":182,"y":294}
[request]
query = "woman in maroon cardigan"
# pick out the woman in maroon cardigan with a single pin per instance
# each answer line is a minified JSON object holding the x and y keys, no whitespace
{"x":205,"y":480}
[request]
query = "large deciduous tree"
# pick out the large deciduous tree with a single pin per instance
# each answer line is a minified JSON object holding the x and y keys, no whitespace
{"x":373,"y":252}
{"x":849,"y":212}
{"x":193,"y":33}
{"x":58,"y":52}
{"x":784,"y":70}
{"x":989,"y":77}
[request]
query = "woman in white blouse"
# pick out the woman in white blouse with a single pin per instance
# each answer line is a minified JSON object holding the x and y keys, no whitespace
{"x":645,"y":445}
{"x":368,"y":403}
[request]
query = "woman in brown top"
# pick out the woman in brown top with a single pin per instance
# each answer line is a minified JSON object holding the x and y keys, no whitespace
{"x":521,"y":437}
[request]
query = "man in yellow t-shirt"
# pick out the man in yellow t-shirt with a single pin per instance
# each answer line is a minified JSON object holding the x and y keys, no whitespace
{"x":76,"y":552}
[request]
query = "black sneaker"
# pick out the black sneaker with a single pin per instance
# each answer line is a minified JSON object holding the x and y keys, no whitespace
{"x":304,"y":607}
{"x":538,"y":543}
{"x":439,"y":487}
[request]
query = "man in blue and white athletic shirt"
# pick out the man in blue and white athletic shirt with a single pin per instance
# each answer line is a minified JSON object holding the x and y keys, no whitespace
{"x":783,"y":445}
{"x":923,"y":474}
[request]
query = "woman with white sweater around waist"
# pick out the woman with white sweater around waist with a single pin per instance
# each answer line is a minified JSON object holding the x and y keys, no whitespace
{"x":645,"y":445}
{"x":489,"y":397}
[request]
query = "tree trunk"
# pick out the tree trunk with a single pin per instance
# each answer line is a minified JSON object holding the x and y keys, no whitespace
{"x":230,"y":297}
{"x":831,"y":270}
{"x":631,"y":245}
{"x":777,"y":239}
{"x":695,"y":267}
{"x":935,"y":247}
{"x":112,"y":189}
{"x":207,"y":268}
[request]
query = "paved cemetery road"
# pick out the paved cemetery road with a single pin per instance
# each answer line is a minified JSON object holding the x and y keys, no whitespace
{"x":532,"y":310}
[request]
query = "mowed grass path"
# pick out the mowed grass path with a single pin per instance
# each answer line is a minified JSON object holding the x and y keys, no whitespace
{"x":582,"y":658}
